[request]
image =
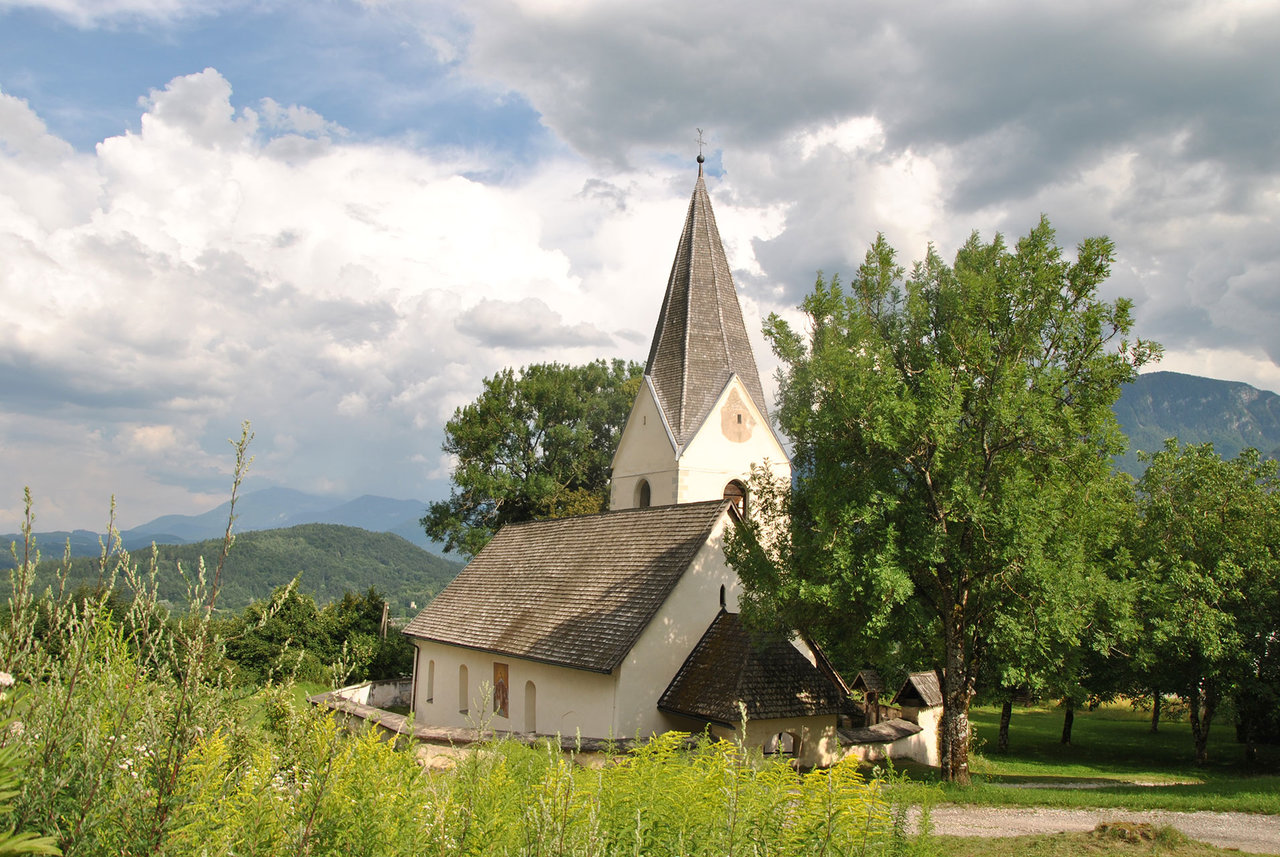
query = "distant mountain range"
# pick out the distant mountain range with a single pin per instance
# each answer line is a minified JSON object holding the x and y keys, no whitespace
{"x":268,"y":509}
{"x":328,"y":559}
{"x":1228,"y":414}
{"x":1157,"y":405}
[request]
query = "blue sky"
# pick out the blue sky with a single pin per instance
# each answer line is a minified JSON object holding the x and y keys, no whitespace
{"x":335,"y":218}
{"x":368,"y":72}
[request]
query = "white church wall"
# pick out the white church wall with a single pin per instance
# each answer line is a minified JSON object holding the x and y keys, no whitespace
{"x":644,"y":452}
{"x":734,"y":436}
{"x":671,"y":635}
{"x":566,"y":701}
{"x":819,"y":741}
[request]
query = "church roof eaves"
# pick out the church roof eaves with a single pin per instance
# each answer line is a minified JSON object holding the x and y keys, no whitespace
{"x":575,"y":592}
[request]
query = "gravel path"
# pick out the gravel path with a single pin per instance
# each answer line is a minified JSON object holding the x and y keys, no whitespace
{"x":1259,"y":834}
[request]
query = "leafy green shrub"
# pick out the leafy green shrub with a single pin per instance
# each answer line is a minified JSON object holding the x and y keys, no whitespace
{"x":320,"y":790}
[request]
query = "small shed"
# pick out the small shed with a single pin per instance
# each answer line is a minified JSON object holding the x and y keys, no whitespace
{"x":869,"y":683}
{"x":913,"y":735}
{"x":920,"y":692}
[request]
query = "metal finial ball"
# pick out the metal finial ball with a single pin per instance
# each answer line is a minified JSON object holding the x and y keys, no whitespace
{"x":701,"y":159}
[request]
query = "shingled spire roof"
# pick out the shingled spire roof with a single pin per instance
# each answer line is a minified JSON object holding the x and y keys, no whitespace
{"x":700,"y":340}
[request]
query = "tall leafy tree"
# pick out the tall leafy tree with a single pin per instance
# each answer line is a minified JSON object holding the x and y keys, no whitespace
{"x":1068,"y":648}
{"x":536,"y":443}
{"x":1208,"y":546}
{"x":949,"y":426}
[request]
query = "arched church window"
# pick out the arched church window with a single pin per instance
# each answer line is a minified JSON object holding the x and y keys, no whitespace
{"x":722,"y":597}
{"x":643,"y":492}
{"x":737,"y":492}
{"x":462,"y":689}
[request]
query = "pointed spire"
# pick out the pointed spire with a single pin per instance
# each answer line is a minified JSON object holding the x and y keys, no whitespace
{"x":700,"y":340}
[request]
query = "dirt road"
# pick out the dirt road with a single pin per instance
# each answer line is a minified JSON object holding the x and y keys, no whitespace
{"x":1248,"y":832}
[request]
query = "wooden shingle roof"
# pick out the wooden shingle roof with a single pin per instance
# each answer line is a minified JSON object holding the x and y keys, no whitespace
{"x":575,"y":591}
{"x":700,"y":340}
{"x":869,"y":681}
{"x":920,"y":690}
{"x":765,"y":672}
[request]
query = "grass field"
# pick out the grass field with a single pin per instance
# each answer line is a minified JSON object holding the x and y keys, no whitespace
{"x":1165,"y":842}
{"x":1113,"y":761}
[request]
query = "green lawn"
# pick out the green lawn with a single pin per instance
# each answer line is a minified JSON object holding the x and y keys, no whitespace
{"x":1165,"y":842}
{"x":1113,"y":761}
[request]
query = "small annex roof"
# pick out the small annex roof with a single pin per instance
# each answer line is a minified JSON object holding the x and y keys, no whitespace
{"x":575,"y":592}
{"x":920,"y":690}
{"x":700,"y":340}
{"x":869,"y":681}
{"x":765,"y":672}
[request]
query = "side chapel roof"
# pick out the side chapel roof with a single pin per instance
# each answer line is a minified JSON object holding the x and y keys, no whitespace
{"x":765,"y":672}
{"x":700,"y":340}
{"x":575,"y":592}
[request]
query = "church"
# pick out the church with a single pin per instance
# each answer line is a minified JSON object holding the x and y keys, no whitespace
{"x":624,"y":624}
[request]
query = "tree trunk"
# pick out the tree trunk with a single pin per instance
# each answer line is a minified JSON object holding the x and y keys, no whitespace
{"x":1006,"y":714}
{"x":1068,"y":720}
{"x":1156,"y":698}
{"x":954,"y":733}
{"x":1204,"y":701}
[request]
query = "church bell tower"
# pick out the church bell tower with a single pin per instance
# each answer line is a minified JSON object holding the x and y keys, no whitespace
{"x":699,"y":421}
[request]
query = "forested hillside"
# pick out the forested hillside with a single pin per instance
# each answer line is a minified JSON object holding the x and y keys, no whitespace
{"x":331,"y":560}
{"x":1229,"y":414}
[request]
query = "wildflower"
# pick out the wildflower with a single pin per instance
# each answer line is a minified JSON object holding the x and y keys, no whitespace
{"x":6,"y":680}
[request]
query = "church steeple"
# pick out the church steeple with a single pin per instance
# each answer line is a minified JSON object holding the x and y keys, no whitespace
{"x":700,"y":340}
{"x":699,"y":423}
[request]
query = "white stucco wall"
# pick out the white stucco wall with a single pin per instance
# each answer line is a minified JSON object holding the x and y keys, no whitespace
{"x":819,"y":743}
{"x":671,"y":635}
{"x":645,"y":451}
{"x":921,"y":747}
{"x":567,"y":701}
{"x":722,"y":450}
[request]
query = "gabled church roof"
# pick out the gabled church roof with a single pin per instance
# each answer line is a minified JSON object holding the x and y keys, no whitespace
{"x":575,"y":592}
{"x":762,"y":671}
{"x":700,"y":340}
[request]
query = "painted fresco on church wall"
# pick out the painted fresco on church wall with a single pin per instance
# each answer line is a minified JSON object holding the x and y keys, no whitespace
{"x":501,"y":689}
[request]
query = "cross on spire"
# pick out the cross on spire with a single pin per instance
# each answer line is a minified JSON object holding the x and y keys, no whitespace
{"x":701,"y":142}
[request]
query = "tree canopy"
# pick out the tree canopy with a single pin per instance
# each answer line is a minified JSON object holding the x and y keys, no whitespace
{"x":1207,"y":544}
{"x":536,"y":443}
{"x":952,"y":432}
